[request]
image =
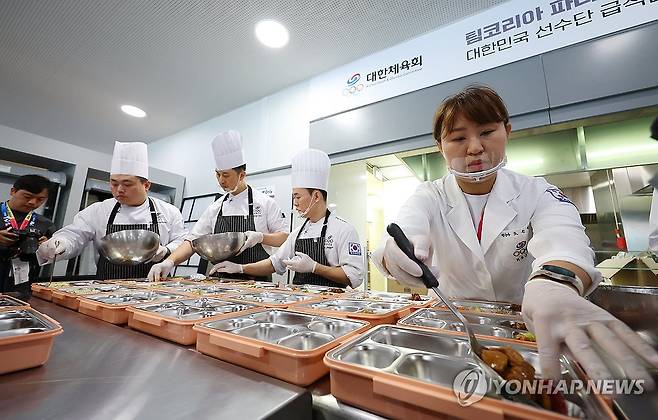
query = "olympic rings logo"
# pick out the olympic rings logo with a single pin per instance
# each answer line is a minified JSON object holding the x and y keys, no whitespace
{"x":352,"y":87}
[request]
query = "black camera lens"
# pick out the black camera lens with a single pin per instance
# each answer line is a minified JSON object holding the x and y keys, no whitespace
{"x":28,"y":242}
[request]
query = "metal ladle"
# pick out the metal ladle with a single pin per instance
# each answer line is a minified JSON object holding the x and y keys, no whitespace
{"x":431,"y":282}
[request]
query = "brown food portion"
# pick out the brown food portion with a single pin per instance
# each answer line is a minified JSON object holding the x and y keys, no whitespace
{"x":511,"y":366}
{"x":416,"y":297}
{"x":496,"y":359}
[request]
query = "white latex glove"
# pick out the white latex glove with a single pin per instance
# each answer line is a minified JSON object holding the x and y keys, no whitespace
{"x":558,"y":315}
{"x":161,"y":270}
{"x":253,"y":238}
{"x":160,"y":254}
{"x":47,"y":250}
{"x":392,"y":262}
{"x":301,"y":263}
{"x":226,"y":267}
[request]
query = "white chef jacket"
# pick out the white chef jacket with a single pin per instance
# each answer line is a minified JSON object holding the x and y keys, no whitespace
{"x":341,"y":247}
{"x":268,"y":217}
{"x":527,"y":222}
{"x":653,"y":223}
{"x":90,"y":224}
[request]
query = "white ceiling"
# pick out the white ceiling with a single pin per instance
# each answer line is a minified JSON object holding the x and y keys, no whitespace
{"x":67,"y":65}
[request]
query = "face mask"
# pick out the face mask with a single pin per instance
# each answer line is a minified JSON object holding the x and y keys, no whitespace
{"x":310,"y":206}
{"x":234,"y":189}
{"x":478,"y":176}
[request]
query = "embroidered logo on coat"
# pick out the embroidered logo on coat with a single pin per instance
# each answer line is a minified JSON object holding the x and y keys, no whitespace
{"x":559,"y":195}
{"x":521,"y":250}
{"x":355,"y":248}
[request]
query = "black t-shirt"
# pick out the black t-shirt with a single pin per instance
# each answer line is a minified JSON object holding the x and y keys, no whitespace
{"x":42,"y":227}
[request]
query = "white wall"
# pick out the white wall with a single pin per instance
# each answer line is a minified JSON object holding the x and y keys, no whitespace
{"x":273,"y":129}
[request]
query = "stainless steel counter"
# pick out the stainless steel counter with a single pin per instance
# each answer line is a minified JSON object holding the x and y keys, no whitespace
{"x":100,"y":371}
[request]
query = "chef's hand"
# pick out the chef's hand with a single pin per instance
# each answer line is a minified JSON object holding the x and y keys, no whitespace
{"x":161,"y":270}
{"x":160,"y":254}
{"x":392,"y":262}
{"x":52,"y":247}
{"x":253,"y":238}
{"x":300,"y":263}
{"x":226,"y":267}
{"x":558,"y":315}
{"x":7,"y":237}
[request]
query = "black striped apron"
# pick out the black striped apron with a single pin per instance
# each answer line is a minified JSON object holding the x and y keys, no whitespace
{"x":106,"y":270}
{"x":314,"y":248}
{"x":244,"y":223}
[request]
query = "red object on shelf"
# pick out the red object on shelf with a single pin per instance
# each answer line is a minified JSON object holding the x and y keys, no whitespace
{"x":621,"y":241}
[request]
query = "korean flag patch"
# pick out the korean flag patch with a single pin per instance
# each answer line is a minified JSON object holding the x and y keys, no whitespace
{"x":355,"y":248}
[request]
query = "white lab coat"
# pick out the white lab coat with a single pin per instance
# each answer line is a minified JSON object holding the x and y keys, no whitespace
{"x":89,"y":225}
{"x":653,"y":223}
{"x":341,"y":247}
{"x":527,"y":222}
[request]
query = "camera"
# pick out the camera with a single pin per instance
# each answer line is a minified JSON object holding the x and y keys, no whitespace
{"x":27,"y":243}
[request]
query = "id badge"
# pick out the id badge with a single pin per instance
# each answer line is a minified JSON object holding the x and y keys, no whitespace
{"x":21,"y":270}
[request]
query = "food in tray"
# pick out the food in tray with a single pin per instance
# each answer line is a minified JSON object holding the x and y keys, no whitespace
{"x":416,"y":297}
{"x":518,"y":325}
{"x":525,"y":336}
{"x":512,"y":366}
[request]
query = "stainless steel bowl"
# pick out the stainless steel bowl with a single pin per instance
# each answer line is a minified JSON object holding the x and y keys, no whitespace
{"x":219,"y":246}
{"x":129,"y":247}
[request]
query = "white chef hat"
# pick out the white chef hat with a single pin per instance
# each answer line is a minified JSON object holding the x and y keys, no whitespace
{"x":310,"y":169}
{"x":130,"y":159}
{"x":227,"y":147}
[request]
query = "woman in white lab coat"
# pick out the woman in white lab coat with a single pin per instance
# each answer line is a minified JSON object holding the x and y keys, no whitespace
{"x":490,"y":233}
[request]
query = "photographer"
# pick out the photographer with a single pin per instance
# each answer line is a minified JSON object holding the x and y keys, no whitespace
{"x":21,"y":232}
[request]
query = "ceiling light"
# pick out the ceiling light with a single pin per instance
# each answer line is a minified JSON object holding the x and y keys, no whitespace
{"x":271,"y":33}
{"x":133,"y":111}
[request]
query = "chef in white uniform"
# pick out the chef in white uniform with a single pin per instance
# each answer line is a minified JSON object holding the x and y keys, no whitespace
{"x":325,"y":250}
{"x":240,"y":209}
{"x":490,"y":233}
{"x":130,"y":208}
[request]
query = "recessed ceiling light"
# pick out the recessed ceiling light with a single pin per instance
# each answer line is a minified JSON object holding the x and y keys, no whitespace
{"x":133,"y":111}
{"x":271,"y":33}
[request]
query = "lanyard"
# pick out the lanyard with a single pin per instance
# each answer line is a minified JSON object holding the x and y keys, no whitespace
{"x":479,"y":231}
{"x":10,"y":220}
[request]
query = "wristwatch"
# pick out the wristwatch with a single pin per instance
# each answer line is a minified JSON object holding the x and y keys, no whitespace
{"x":560,"y":275}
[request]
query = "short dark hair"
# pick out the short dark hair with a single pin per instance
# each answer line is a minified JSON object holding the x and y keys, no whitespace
{"x":478,"y":103}
{"x":32,"y":183}
{"x":323,"y":192}
{"x":654,"y":129}
{"x":241,"y":168}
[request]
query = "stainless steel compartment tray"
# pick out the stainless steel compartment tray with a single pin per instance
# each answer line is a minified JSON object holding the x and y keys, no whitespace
{"x":405,"y":298}
{"x":9,"y":302}
{"x":289,"y":329}
{"x":355,"y":306}
{"x":132,"y":297}
{"x":194,"y":308}
{"x":437,"y":357}
{"x":21,"y":322}
{"x":496,"y":326}
{"x":271,"y":297}
{"x":487,"y":307}
{"x":200,"y":289}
